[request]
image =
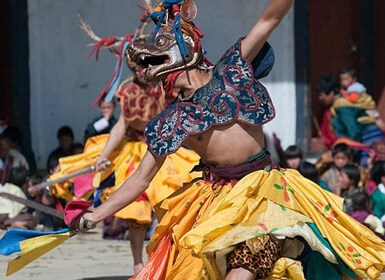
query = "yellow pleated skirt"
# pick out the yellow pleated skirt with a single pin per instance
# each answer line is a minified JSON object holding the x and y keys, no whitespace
{"x":201,"y":223}
{"x":124,"y":161}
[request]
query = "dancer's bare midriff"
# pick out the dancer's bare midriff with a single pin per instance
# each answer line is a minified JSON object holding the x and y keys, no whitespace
{"x":227,"y":145}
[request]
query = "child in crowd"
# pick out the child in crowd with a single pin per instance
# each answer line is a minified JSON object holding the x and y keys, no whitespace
{"x":351,"y":89}
{"x":341,"y":155}
{"x":9,"y":158}
{"x":350,"y":177}
{"x":103,"y":123}
{"x":293,"y":157}
{"x":377,"y":153}
{"x":14,"y":214}
{"x":309,"y":171}
{"x":377,"y":196}
{"x":13,"y":133}
{"x":362,"y":212}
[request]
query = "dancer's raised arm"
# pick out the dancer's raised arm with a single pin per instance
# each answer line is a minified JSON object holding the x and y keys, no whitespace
{"x":269,"y":20}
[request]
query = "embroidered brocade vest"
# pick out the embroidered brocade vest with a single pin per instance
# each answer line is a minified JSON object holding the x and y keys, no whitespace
{"x":232,"y":95}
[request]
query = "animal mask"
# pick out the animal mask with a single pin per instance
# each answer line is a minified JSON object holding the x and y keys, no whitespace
{"x":163,"y":56}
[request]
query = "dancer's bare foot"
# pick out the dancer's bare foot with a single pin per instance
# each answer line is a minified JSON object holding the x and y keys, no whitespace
{"x":137,"y":268}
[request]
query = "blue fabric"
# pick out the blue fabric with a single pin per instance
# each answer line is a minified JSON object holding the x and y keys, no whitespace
{"x":232,"y":94}
{"x":179,"y":36}
{"x":10,"y":243}
{"x":324,"y":185}
{"x":370,"y":135}
{"x":158,"y":18}
{"x":168,"y":3}
{"x":108,"y":182}
{"x":97,"y":201}
{"x":116,"y":80}
{"x":264,"y":61}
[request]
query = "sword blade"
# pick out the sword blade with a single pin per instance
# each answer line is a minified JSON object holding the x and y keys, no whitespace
{"x":33,"y":204}
{"x":64,"y":178}
{"x":68,"y":176}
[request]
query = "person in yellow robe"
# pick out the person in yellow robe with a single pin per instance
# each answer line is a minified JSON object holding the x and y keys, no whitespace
{"x":139,"y":103}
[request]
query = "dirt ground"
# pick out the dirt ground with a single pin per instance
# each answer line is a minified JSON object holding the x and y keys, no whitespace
{"x":82,"y":257}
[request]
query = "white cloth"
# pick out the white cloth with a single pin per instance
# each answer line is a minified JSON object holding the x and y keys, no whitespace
{"x":12,"y":208}
{"x":305,"y":231}
{"x":375,"y":224}
{"x":101,"y":124}
{"x":381,"y":188}
{"x":18,"y":159}
{"x":356,"y":87}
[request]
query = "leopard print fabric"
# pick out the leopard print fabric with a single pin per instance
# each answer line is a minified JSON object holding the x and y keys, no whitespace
{"x":260,"y":263}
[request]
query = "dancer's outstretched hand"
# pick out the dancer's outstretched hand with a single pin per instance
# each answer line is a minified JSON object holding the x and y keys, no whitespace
{"x":102,"y":163}
{"x":77,"y":215}
{"x":83,"y":224}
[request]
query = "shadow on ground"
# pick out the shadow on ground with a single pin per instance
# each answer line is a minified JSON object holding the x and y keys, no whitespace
{"x":107,"y":278}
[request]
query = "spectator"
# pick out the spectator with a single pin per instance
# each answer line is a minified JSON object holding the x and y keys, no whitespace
{"x":32,"y":181}
{"x":329,"y":88}
{"x":104,"y":123}
{"x":377,"y":197}
{"x":293,"y":157}
{"x":362,"y":212}
{"x":377,"y":153}
{"x":309,"y":171}
{"x":349,"y":119}
{"x":65,"y":137}
{"x":351,"y":88}
{"x":10,"y":158}
{"x":341,"y":155}
{"x":14,"y":134}
{"x":14,"y":214}
{"x":350,"y":177}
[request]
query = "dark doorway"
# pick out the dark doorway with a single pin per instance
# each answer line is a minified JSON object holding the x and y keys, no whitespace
{"x":14,"y":61}
{"x":334,"y":34}
{"x":379,"y":57}
{"x":5,"y":62}
{"x":334,"y":42}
